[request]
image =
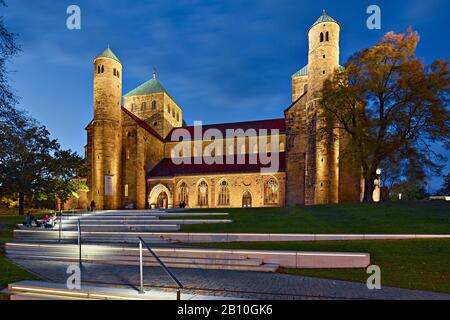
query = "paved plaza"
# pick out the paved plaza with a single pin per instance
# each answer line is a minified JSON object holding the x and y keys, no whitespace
{"x":238,"y":284}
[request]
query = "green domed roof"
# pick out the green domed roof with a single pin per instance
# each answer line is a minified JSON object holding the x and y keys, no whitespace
{"x":151,"y":86}
{"x":324,"y":18}
{"x":301,"y":73}
{"x":107,"y":53}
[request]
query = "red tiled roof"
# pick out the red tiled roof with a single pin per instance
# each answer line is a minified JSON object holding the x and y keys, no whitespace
{"x":166,"y":167}
{"x":143,"y":124}
{"x":270,"y":124}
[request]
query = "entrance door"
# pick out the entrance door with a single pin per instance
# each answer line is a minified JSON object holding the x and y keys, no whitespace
{"x":161,"y":203}
{"x":247,"y":200}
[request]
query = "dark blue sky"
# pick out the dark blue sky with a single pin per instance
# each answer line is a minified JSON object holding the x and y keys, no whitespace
{"x":221,"y":60}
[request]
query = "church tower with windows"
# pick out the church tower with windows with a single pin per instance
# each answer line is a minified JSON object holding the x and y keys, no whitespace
{"x":322,"y":154}
{"x":103,"y":152}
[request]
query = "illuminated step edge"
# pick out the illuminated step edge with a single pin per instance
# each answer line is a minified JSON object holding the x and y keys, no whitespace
{"x":139,"y":222}
{"x":35,"y":290}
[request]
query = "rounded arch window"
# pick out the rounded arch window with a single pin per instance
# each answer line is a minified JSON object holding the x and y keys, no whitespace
{"x":153,"y":105}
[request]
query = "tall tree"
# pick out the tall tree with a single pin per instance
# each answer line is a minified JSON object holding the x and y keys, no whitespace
{"x":8,"y":49}
{"x":26,"y":162}
{"x":67,"y":168}
{"x":391,"y":106}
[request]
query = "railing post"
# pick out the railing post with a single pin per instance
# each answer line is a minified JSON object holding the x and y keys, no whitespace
{"x":60,"y":227}
{"x":141,"y":268}
{"x":178,"y":283}
{"x":79,"y":242}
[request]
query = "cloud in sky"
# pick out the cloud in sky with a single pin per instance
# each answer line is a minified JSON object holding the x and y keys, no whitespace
{"x":221,"y":60}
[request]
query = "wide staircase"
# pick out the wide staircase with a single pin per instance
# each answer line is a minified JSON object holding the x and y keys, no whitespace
{"x":174,"y":257}
{"x":112,"y":237}
{"x":116,"y":226}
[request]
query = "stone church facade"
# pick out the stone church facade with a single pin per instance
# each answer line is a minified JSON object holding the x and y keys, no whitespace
{"x":132,"y":143}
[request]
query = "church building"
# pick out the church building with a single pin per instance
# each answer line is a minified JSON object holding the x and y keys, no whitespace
{"x":133,"y":155}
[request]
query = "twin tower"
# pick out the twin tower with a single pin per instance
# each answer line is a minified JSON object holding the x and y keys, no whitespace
{"x":104,"y":145}
{"x":315,"y":165}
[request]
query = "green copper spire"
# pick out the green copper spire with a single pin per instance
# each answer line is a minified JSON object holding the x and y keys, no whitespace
{"x":324,"y":18}
{"x":107,"y":53}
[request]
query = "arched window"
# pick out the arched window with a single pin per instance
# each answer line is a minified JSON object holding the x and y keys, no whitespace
{"x":271,"y":192}
{"x":168,"y":108}
{"x":133,"y":107}
{"x":178,"y":116}
{"x":118,"y":74}
{"x":202,"y":194}
{"x":246,"y":200}
{"x":327,"y":36}
{"x":321,"y":37}
{"x":173,"y":113}
{"x":98,"y":69}
{"x":103,"y":69}
{"x":153,"y":105}
{"x":143,"y":106}
{"x":114,"y":72}
{"x":224,"y":194}
{"x":183,"y":194}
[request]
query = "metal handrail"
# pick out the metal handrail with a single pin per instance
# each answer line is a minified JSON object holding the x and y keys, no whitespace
{"x":171,"y":275}
{"x":79,"y":243}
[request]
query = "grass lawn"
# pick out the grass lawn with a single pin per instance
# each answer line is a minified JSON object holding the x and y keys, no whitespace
{"x":9,"y":272}
{"x":413,"y":264}
{"x":424,"y":217}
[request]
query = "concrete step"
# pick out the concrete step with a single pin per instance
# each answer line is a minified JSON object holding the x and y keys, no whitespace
{"x":125,"y":228}
{"x":37,"y":290}
{"x":85,"y":222}
{"x":135,"y":259}
{"x":127,"y":256}
{"x":210,"y":266}
{"x":90,"y":237}
{"x":121,"y":250}
{"x":31,"y":296}
{"x":175,"y":258}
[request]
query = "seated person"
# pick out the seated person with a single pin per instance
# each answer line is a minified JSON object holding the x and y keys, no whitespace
{"x":48,"y":223}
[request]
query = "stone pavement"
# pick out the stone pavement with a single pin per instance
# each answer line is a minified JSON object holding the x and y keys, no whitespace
{"x":238,"y":284}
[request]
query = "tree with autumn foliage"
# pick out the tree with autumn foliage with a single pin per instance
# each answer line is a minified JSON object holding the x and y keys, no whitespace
{"x":392,"y":107}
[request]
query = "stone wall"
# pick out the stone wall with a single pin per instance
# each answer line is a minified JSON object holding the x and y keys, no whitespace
{"x":154,"y":109}
{"x":295,"y":152}
{"x":141,"y":152}
{"x":238,"y":184}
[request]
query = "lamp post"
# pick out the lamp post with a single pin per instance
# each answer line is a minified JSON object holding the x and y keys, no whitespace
{"x":378,"y":172}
